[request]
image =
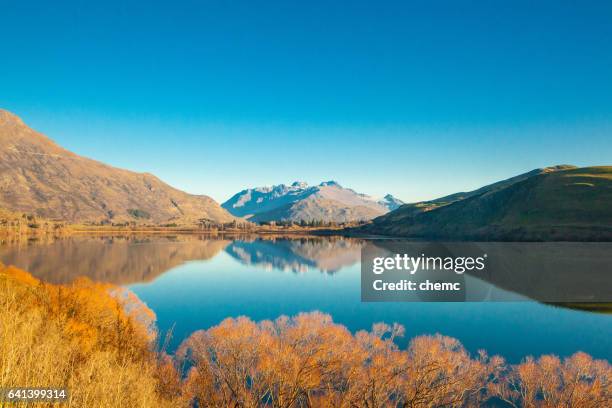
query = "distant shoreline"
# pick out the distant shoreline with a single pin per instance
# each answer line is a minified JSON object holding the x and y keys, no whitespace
{"x":69,"y":230}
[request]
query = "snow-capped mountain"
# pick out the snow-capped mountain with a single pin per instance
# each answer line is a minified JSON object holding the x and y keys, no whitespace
{"x":391,"y":202}
{"x":328,"y":201}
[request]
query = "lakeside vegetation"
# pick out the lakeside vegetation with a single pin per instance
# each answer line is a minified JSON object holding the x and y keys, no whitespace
{"x":100,"y":342}
{"x":14,"y":225}
{"x":78,"y":336}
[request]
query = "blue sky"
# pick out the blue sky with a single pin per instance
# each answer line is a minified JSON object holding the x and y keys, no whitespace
{"x":418,"y":98}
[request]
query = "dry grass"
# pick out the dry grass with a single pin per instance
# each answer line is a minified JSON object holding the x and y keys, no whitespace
{"x":78,"y":337}
{"x":20,"y":225}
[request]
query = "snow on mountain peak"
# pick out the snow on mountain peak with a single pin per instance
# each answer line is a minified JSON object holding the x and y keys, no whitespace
{"x":317,"y":202}
{"x":391,"y":202}
{"x":330,"y":183}
{"x":299,"y":184}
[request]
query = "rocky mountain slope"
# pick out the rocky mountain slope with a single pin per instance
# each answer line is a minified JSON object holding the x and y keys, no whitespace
{"x":39,"y":177}
{"x":328,"y":201}
{"x":554,"y":203}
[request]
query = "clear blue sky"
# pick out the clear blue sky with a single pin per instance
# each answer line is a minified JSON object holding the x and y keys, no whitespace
{"x":416,"y":98}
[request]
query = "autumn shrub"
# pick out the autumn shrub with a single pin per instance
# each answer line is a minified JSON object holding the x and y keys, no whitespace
{"x":547,"y":382}
{"x":309,"y":361}
{"x":79,"y":337}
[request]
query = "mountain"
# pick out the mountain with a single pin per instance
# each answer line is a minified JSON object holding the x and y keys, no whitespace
{"x":39,"y":177}
{"x":407,"y":211}
{"x":391,"y":202}
{"x":328,"y":201}
{"x":554,"y":203}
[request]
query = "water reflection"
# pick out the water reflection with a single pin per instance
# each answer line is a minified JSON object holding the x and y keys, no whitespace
{"x":121,"y":260}
{"x":546,"y":272}
{"x":127,"y":259}
{"x":194,"y":282}
{"x":298,"y":255}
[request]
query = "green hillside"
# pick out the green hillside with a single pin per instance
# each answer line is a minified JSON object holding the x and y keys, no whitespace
{"x":561,"y":203}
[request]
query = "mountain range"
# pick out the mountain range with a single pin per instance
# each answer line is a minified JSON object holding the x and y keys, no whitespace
{"x":563,"y":202}
{"x":327,"y":201}
{"x":554,"y":203}
{"x":39,"y":177}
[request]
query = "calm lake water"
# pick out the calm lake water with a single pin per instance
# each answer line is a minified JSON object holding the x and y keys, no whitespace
{"x":193,"y":283}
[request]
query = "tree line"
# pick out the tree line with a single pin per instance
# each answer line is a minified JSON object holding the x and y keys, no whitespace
{"x":310,"y":361}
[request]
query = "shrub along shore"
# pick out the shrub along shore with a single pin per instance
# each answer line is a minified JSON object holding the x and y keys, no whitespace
{"x":99,"y":341}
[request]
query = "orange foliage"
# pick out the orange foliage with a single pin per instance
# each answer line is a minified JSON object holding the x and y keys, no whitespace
{"x":577,"y":381}
{"x":79,"y":336}
{"x":309,"y":361}
{"x":86,"y":311}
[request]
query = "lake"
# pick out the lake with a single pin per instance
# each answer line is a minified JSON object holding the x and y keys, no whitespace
{"x":194,"y":282}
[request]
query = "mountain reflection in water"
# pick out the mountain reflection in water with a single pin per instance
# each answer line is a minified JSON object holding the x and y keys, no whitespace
{"x":547,"y":272}
{"x":298,"y":255}
{"x":193,"y":282}
{"x":121,"y":260}
{"x":128,"y":259}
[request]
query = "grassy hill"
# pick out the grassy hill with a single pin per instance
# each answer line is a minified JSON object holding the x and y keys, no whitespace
{"x":560,"y":203}
{"x":41,"y":178}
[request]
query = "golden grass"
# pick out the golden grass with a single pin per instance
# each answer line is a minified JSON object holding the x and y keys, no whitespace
{"x":77,"y":337}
